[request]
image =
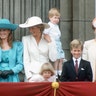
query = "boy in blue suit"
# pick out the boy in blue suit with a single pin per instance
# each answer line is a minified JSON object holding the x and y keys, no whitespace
{"x":83,"y":71}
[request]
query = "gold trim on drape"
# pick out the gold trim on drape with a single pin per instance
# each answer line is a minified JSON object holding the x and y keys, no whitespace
{"x":55,"y":85}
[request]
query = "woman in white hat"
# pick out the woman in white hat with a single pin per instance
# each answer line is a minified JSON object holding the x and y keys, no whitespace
{"x":10,"y":53}
{"x":38,"y":47}
{"x":89,"y":51}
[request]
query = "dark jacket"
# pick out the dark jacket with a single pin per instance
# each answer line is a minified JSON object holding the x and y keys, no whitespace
{"x":69,"y":73}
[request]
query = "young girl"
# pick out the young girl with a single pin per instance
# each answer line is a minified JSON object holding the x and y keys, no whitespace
{"x":46,"y":74}
{"x":54,"y":32}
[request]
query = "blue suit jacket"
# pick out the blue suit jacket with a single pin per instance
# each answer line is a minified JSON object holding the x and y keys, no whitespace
{"x":69,"y":73}
{"x":15,"y":59}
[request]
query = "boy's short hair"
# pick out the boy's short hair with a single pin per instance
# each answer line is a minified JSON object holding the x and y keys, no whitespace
{"x":47,"y":67}
{"x":76,"y":44}
{"x":53,"y":12}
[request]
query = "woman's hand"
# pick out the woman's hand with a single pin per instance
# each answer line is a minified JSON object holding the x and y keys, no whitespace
{"x":47,"y":38}
{"x":6,"y":73}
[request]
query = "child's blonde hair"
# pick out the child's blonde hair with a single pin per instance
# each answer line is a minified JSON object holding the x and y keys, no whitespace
{"x":76,"y":44}
{"x":53,"y":12}
{"x":47,"y":67}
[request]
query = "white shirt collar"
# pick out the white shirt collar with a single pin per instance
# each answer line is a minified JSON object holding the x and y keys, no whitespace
{"x":79,"y":59}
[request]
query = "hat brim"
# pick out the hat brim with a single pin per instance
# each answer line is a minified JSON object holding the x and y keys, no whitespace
{"x":9,"y":26}
{"x":27,"y":25}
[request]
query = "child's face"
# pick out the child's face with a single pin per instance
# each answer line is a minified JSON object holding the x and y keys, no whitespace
{"x":54,"y":19}
{"x":47,"y":74}
{"x":76,"y":52}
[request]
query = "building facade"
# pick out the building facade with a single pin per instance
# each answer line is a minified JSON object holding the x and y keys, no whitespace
{"x":75,"y":21}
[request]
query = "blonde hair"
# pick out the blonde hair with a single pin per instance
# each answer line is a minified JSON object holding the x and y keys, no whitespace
{"x":47,"y":67}
{"x":53,"y":12}
{"x":76,"y":44}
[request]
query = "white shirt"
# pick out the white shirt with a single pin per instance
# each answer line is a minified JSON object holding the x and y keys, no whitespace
{"x":79,"y":59}
{"x":53,"y":31}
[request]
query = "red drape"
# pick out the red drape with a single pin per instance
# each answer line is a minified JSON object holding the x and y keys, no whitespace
{"x":77,"y":89}
{"x":26,"y":89}
{"x":45,"y":89}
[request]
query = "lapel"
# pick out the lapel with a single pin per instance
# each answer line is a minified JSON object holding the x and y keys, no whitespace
{"x":72,"y":65}
{"x":11,"y":55}
{"x":80,"y":66}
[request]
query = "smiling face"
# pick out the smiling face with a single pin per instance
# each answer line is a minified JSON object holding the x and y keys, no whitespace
{"x":76,"y":48}
{"x":76,"y":52}
{"x":4,"y":33}
{"x":35,"y":31}
{"x":54,"y":15}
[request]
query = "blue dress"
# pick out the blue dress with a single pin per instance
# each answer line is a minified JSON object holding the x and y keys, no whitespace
{"x":12,"y":59}
{"x":55,"y":33}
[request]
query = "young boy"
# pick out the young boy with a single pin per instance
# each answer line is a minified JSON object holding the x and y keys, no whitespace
{"x":54,"y":32}
{"x":76,"y":69}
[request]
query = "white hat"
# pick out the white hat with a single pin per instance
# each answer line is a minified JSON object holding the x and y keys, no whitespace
{"x":33,"y":21}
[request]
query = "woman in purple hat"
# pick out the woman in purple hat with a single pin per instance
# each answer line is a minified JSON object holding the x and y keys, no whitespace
{"x":10,"y":53}
{"x":38,"y":47}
